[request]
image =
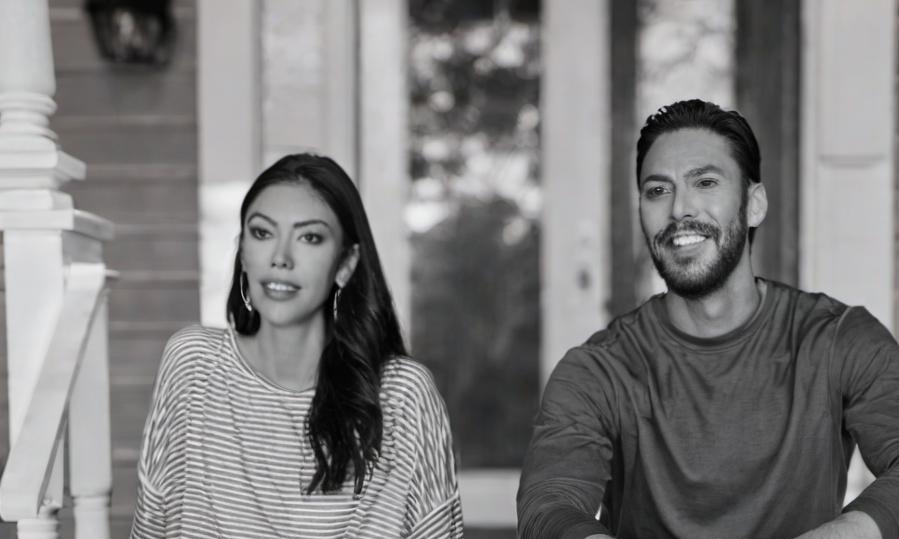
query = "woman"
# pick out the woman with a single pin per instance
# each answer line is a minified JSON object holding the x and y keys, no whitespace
{"x":304,"y":418}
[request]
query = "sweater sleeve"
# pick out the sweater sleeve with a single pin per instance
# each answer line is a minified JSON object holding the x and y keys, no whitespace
{"x":567,"y":464}
{"x":433,"y":506}
{"x":156,"y":451}
{"x":867,"y":360}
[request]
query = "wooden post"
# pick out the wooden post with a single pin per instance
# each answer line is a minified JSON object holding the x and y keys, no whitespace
{"x":848,"y":157}
{"x":90,"y":438}
{"x":43,"y":232}
{"x":383,"y":147}
{"x":767,"y":70}
{"x":230,"y":140}
{"x":623,"y":184}
{"x":341,"y":56}
{"x":576,"y":140}
{"x":29,"y":158}
{"x":848,"y":152}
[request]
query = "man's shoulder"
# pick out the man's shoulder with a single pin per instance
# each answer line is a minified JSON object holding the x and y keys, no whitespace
{"x":819,"y":316}
{"x":616,"y":341}
{"x":642,"y":319}
{"x":805,"y":306}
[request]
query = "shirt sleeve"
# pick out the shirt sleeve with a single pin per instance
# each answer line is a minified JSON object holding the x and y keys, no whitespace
{"x":567,"y":465}
{"x":867,"y":359}
{"x":156,"y":448}
{"x":434,"y":509}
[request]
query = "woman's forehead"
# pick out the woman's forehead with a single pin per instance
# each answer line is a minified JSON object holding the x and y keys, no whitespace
{"x":294,"y":201}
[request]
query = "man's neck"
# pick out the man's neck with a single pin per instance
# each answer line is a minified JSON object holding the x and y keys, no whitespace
{"x":720,"y":312}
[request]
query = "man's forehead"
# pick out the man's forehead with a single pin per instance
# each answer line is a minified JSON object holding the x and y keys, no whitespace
{"x":689,"y":152}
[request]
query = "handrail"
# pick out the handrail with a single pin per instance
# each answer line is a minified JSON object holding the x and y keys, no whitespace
{"x":29,"y":466}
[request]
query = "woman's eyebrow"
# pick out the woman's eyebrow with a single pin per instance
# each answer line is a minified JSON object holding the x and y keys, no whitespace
{"x":261,"y":216}
{"x":298,"y":224}
{"x":307,"y":222}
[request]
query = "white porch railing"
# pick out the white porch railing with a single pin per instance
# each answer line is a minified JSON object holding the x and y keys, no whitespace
{"x":56,"y":319}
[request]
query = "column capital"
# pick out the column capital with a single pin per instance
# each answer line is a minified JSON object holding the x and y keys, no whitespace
{"x":28,"y":162}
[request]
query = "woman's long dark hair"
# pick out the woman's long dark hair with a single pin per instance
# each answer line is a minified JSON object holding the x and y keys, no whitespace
{"x":345,"y":423}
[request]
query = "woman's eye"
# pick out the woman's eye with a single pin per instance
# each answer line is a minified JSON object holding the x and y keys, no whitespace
{"x":259,"y":233}
{"x":311,"y":237}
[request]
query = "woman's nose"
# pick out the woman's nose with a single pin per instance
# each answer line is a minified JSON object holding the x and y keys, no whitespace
{"x":281,"y":258}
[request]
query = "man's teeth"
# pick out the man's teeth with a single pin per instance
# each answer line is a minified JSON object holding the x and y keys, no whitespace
{"x":280,"y":287}
{"x":681,"y":241}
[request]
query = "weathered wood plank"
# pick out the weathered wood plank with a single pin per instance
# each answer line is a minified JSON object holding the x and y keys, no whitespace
{"x":116,"y":92}
{"x":130,"y":143}
{"x":767,"y":70}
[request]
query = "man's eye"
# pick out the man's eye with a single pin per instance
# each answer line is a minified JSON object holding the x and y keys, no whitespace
{"x":259,"y":233}
{"x":655,"y":191}
{"x":707,"y":182}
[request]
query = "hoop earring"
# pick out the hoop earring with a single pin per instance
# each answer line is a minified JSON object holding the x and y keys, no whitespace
{"x":336,"y":301}
{"x":243,"y":295}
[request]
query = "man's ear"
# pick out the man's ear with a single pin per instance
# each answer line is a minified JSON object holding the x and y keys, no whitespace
{"x":347,"y":266}
{"x":757,"y":207}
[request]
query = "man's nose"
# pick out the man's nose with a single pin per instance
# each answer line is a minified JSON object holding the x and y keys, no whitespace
{"x":683,"y":205}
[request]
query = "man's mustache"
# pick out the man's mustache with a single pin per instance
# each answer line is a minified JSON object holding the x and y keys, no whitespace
{"x":666,"y":235}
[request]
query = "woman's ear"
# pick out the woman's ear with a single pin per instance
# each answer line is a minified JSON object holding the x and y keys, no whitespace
{"x":347,"y":266}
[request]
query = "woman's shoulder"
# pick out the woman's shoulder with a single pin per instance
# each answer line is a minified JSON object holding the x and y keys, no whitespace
{"x":407,"y":385}
{"x":414,"y":411}
{"x":405,"y":374}
{"x":194,"y":339}
{"x":187,"y":346}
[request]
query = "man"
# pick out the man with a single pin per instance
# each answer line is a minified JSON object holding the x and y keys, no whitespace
{"x":728,"y":407}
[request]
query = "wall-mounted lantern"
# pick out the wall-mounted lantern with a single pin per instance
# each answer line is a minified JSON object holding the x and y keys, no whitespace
{"x":133,"y":31}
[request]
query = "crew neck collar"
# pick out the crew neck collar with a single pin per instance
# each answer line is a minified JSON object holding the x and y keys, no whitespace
{"x":725,"y":340}
{"x":258,"y":375}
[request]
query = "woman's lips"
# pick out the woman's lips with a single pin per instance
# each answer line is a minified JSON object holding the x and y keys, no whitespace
{"x":279,"y":290}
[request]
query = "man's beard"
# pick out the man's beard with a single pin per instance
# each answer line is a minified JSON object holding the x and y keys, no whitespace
{"x":693,"y":279}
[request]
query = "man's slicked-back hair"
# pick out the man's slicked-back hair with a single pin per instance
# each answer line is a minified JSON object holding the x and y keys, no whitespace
{"x":698,"y":114}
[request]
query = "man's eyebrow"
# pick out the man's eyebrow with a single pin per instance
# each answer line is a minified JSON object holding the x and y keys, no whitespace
{"x":298,"y":224}
{"x":701,"y":171}
{"x":656,"y":178}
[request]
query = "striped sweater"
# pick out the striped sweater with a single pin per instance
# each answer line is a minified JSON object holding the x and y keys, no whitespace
{"x":225,"y":455}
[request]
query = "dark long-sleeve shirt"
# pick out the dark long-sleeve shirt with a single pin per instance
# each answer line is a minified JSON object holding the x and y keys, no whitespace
{"x":748,"y":434}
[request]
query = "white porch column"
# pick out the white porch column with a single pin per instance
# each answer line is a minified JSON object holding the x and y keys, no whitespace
{"x":42,"y":231}
{"x":341,"y":56}
{"x":28,"y":156}
{"x":848,"y":152}
{"x":848,"y":160}
{"x":383,"y":144}
{"x":90,"y":436}
{"x":230,"y":141}
{"x":575,"y":105}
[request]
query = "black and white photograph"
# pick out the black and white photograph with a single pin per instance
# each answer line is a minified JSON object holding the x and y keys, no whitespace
{"x":445,"y":269}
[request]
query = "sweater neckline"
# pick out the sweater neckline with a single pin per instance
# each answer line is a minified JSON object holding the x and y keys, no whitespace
{"x":256,"y":374}
{"x":726,"y":340}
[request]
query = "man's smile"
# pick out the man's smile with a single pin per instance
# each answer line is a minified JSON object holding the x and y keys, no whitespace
{"x":684,"y":240}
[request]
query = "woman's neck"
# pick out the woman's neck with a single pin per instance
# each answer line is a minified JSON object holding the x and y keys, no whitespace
{"x":290,"y":355}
